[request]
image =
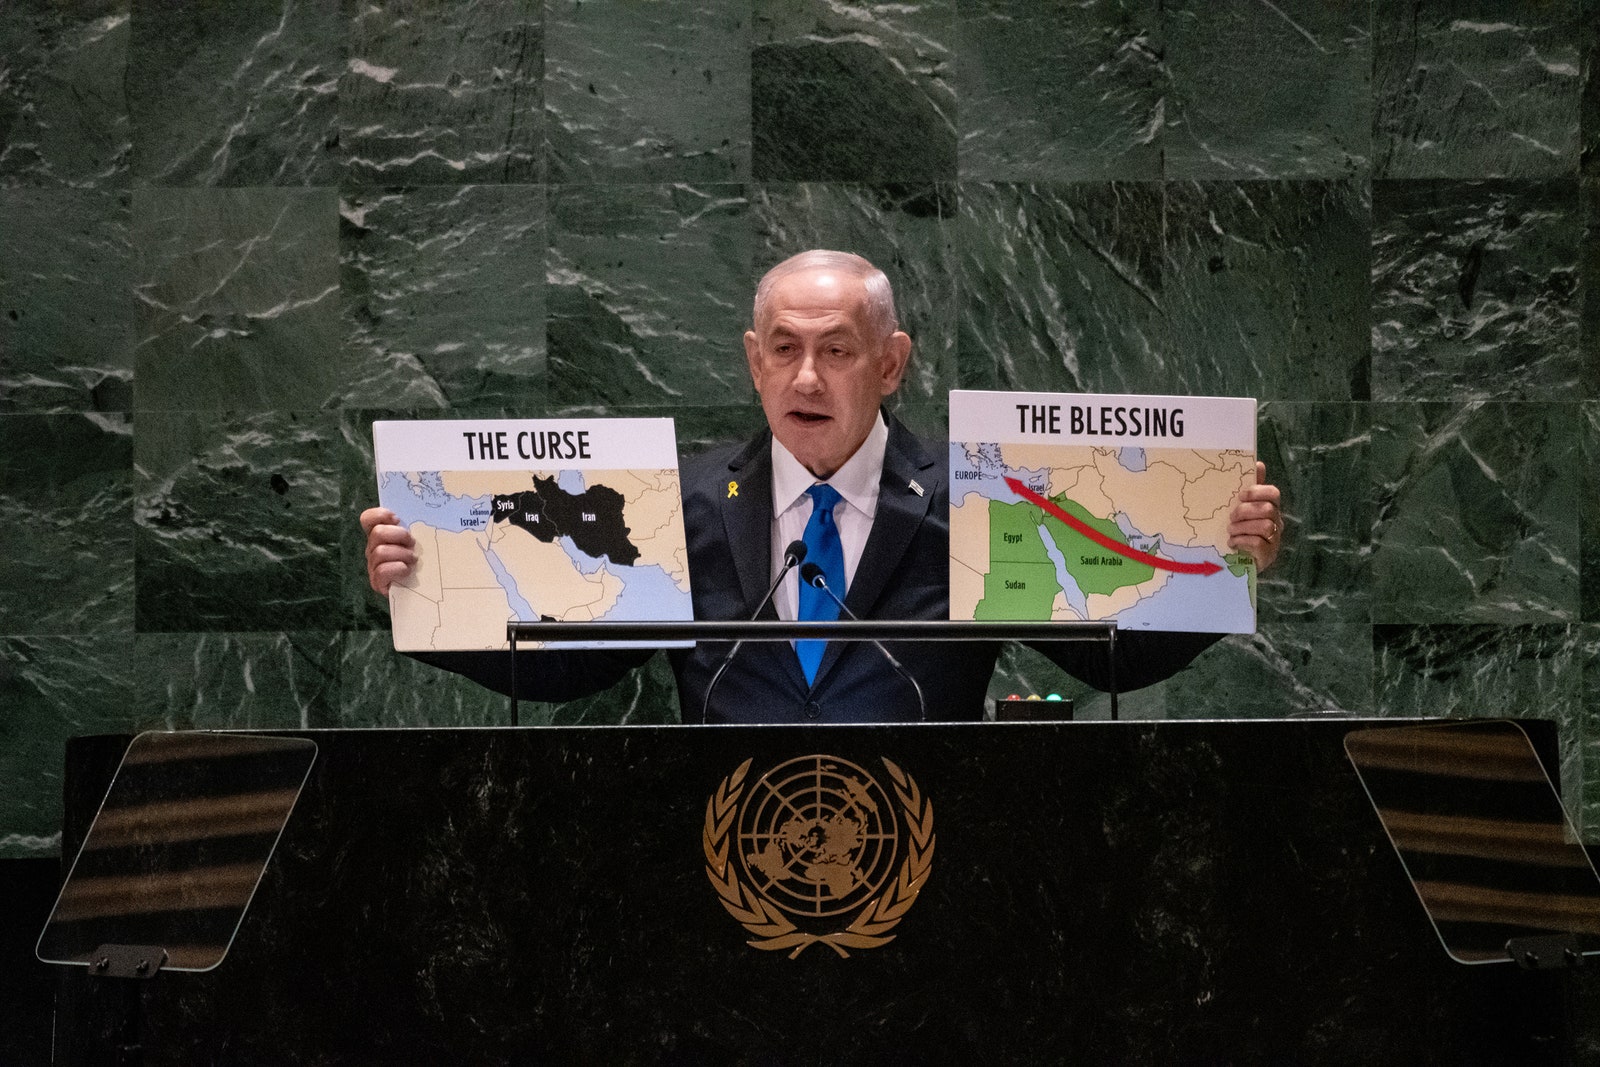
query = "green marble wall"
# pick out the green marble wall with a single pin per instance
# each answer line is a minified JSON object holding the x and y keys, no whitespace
{"x":232,"y":234}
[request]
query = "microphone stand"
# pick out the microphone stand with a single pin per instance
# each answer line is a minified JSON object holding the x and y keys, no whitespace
{"x":812,"y":575}
{"x":792,"y":556}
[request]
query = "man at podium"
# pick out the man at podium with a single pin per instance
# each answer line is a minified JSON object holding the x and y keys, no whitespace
{"x":869,"y":500}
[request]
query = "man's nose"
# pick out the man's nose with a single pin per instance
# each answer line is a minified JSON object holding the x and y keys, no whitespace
{"x":806,"y":379}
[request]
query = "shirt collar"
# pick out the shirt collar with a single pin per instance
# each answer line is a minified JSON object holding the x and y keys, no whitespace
{"x":857,"y":481}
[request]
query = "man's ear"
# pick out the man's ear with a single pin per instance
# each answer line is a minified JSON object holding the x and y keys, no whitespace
{"x":752,"y":357}
{"x":896,"y":354}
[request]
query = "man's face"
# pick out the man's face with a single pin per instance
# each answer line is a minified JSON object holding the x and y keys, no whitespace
{"x":821,"y":368}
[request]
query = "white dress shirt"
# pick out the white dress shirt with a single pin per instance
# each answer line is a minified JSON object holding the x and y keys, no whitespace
{"x":857,"y":482}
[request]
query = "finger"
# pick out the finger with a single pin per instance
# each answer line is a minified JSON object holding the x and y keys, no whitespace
{"x":385,"y":575}
{"x":1259,"y":493}
{"x":387,"y":564}
{"x":377,"y":517}
{"x":390,"y":535}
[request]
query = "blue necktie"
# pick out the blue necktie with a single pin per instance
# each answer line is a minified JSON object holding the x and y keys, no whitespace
{"x":825,"y":550}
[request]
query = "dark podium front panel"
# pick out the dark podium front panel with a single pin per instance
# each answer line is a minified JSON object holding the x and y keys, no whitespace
{"x":1181,"y":892}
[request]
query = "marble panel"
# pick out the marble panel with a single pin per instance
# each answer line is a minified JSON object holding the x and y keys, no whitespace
{"x":238,"y":299}
{"x":242,"y":93}
{"x":1589,"y":107}
{"x":1278,"y":90}
{"x":63,"y":111}
{"x":382,"y":687}
{"x":1319,"y":455}
{"x":1475,"y":290}
{"x":53,"y":688}
{"x":237,"y":519}
{"x":647,"y":92}
{"x":223,"y":681}
{"x":703,"y":428}
{"x":1061,"y":92}
{"x":646,"y":697}
{"x":1476,"y":513}
{"x":1287,"y":668}
{"x":442,"y":93}
{"x":1589,"y":287}
{"x":1490,"y":671}
{"x":1487,"y":88}
{"x":1267,"y":288}
{"x":66,"y":511}
{"x":1589,"y":514}
{"x":1061,"y":289}
{"x":853,"y":92}
{"x":1586,"y":732}
{"x":907,"y":231}
{"x":930,"y":419}
{"x":442,"y":296}
{"x":66,"y":300}
{"x":648,"y":293}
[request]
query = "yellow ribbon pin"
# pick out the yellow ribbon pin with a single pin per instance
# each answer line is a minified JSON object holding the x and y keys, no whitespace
{"x":733,"y":490}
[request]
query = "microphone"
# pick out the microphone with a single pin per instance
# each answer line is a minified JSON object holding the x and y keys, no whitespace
{"x":812,"y":575}
{"x":793,"y":555}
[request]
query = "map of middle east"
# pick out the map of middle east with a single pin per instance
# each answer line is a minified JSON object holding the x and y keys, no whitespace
{"x":504,"y":542}
{"x":1133,"y":530}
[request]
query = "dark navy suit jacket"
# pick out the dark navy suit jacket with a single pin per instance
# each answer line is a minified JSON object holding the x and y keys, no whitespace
{"x":903,"y":574}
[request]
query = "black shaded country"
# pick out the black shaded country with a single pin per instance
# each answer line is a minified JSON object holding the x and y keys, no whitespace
{"x":593,"y":518}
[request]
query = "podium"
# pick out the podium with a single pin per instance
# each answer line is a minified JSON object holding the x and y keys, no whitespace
{"x":1122,"y":892}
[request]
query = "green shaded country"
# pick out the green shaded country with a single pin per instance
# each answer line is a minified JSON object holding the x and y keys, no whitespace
{"x":1095,"y":568}
{"x":1241,"y":565}
{"x":1014,"y":535}
{"x":1014,"y":590}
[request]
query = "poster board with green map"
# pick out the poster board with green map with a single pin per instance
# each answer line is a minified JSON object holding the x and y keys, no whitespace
{"x":526,"y":520}
{"x":1097,"y":508}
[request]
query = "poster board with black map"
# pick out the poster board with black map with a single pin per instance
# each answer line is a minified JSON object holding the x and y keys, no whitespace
{"x":566,"y":520}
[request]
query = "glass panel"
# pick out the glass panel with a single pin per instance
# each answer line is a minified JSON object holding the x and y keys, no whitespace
{"x":1482,"y":835}
{"x":178,"y":847}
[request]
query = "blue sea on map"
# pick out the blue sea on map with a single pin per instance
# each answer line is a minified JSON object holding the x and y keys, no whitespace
{"x":1069,"y":586}
{"x":991,"y":475}
{"x":1131,"y":458}
{"x":644,"y":589}
{"x":520,"y":608}
{"x":426,"y":501}
{"x":1211,"y":603}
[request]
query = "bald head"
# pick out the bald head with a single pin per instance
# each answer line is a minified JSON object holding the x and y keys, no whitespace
{"x":879,"y":295}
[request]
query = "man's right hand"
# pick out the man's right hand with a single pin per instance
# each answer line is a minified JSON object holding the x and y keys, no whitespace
{"x":391,"y":551}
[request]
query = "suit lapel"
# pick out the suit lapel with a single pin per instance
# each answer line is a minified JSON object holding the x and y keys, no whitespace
{"x":747,"y":521}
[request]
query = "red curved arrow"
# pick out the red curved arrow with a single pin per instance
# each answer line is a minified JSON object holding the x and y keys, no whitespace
{"x":1105,"y":542}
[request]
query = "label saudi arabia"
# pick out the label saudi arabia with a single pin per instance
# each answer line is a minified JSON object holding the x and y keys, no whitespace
{"x":558,"y":519}
{"x":1100,"y":508}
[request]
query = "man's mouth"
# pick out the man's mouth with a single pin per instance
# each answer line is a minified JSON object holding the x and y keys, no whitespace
{"x":809,"y":416}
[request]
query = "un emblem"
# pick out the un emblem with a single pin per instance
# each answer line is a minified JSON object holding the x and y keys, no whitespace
{"x":817,"y":842}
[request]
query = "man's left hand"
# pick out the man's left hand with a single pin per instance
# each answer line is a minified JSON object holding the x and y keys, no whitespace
{"x":1256,"y":524}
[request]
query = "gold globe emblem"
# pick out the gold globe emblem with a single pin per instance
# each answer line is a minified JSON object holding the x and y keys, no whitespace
{"x":813,"y":839}
{"x":817,"y":836}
